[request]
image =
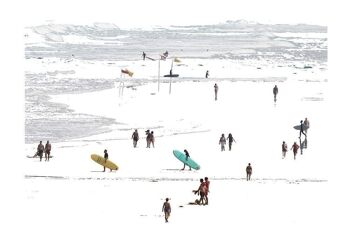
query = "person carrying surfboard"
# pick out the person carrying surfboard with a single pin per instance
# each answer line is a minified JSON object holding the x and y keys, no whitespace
{"x":187,"y":155}
{"x":135,"y":137}
{"x":302,"y":127}
{"x":166,"y":209}
{"x":106,"y":158}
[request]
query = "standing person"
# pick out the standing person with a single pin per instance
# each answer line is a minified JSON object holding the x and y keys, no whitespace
{"x":207,"y":74}
{"x":284,"y":149}
{"x":306,"y":124}
{"x":135,"y":137}
{"x":202,"y":190}
{"x":295,"y":148}
{"x":216,"y":89}
{"x":207,"y":183}
{"x":47,"y":151}
{"x":222,"y":142}
{"x":187,"y":156}
{"x":152,"y":139}
{"x":40,"y":150}
{"x":249,"y":171}
{"x":166,"y":209}
{"x":143,"y":55}
{"x":230,"y":140}
{"x":302,"y":129}
{"x":106,"y":158}
{"x":275,"y":92}
{"x":148,"y":139}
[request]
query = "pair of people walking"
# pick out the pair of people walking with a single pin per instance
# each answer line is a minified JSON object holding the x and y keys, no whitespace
{"x":41,"y":149}
{"x":203,"y":191}
{"x":295,"y":147}
{"x":222,"y":141}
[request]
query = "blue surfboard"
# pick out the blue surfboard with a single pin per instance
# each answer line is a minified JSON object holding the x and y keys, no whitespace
{"x":182,"y":157}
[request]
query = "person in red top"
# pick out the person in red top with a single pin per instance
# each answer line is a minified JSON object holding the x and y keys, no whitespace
{"x":207,"y":183}
{"x":295,"y":148}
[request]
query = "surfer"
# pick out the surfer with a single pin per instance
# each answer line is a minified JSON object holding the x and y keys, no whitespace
{"x":187,"y":156}
{"x":222,"y":142}
{"x":47,"y":151}
{"x":295,"y":148}
{"x":275,"y":92}
{"x":249,"y":171}
{"x":216,"y":89}
{"x":39,"y":150}
{"x":135,"y":137}
{"x":230,"y":140}
{"x":207,"y":74}
{"x":284,"y":149}
{"x":106,"y":158}
{"x":152,"y":139}
{"x":143,"y":55}
{"x":166,"y":209}
{"x":207,"y":183}
{"x":302,"y":126}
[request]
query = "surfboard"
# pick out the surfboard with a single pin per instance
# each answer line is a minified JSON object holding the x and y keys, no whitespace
{"x":100,"y":160}
{"x":182,"y":157}
{"x":297,"y":127}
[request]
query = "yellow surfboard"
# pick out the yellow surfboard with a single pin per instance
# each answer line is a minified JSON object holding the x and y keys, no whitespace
{"x":100,"y":160}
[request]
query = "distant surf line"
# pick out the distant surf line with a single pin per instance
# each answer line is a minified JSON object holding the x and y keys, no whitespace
{"x":162,"y":179}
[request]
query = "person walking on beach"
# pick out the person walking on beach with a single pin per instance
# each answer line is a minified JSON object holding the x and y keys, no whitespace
{"x":207,"y":74}
{"x":47,"y":151}
{"x":306,"y":125}
{"x":166,"y":209}
{"x":40,"y":150}
{"x":148,"y":139}
{"x":106,"y":158}
{"x":207,"y":183}
{"x":222,"y":142}
{"x":230,"y":140}
{"x":187,"y":156}
{"x":216,"y":89}
{"x":152,"y":139}
{"x":295,"y":148}
{"x":284,"y":149}
{"x":202,"y":190}
{"x":275,"y":92}
{"x":249,"y":171}
{"x":302,"y":127}
{"x":143,"y":55}
{"x":135,"y":137}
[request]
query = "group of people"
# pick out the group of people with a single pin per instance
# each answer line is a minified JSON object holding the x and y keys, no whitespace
{"x":149,"y":138}
{"x":222,"y":141}
{"x":304,"y":126}
{"x":41,"y":149}
{"x":202,"y":191}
